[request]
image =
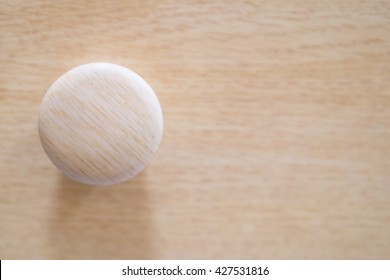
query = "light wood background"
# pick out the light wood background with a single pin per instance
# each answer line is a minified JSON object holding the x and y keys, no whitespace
{"x":276,"y":141}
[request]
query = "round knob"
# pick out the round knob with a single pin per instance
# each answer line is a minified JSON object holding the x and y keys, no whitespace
{"x":100,"y":123}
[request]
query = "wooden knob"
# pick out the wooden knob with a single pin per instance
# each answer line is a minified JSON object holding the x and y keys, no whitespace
{"x":100,"y":123}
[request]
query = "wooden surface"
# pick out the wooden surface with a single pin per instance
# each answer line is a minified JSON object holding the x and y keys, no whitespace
{"x":276,"y":135}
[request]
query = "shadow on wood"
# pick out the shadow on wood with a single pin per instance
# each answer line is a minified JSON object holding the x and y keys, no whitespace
{"x":101,"y":222}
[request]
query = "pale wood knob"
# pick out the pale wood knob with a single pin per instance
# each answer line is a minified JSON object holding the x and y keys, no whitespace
{"x":100,"y":123}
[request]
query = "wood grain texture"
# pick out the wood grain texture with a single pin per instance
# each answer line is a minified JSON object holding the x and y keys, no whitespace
{"x":276,"y":130}
{"x":100,"y":123}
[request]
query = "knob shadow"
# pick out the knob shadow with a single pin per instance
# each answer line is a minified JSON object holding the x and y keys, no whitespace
{"x":101,"y":222}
